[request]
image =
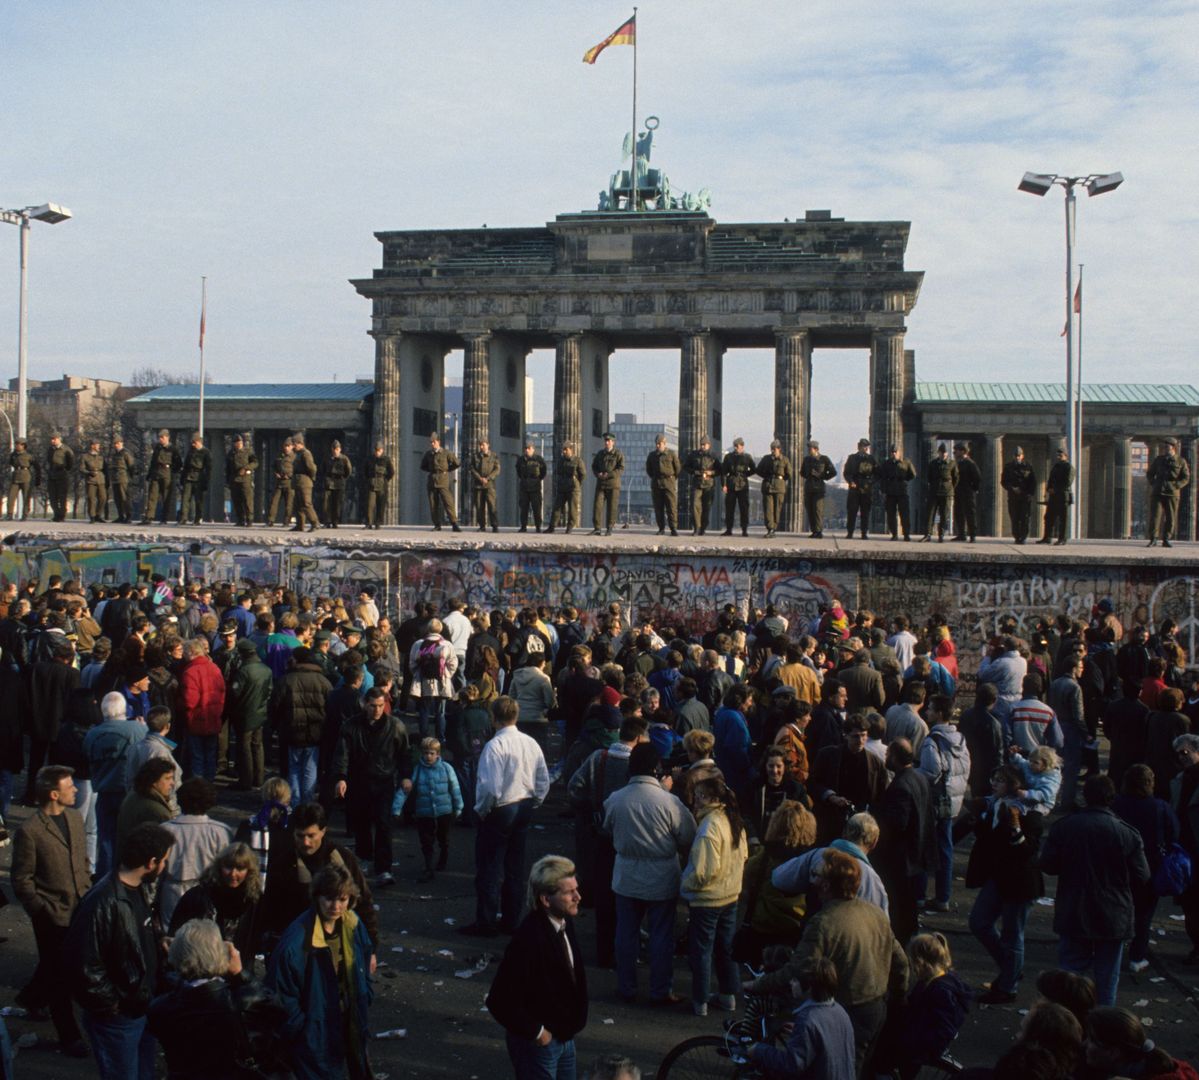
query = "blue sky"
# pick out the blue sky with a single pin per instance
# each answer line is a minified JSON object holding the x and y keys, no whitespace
{"x":262,"y":144}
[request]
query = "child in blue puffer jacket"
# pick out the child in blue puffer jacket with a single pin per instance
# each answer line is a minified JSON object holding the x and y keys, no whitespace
{"x":436,"y":801}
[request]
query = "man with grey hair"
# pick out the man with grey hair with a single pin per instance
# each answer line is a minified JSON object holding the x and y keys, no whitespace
{"x":796,"y":876}
{"x":106,"y":747}
{"x":614,"y":1067}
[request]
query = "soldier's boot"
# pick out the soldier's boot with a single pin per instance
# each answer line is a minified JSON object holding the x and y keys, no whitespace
{"x":728,"y":531}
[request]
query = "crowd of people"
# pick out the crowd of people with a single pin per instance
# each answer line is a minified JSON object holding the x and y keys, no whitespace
{"x":789,"y":795}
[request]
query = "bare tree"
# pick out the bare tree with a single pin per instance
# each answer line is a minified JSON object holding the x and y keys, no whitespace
{"x":147,"y":378}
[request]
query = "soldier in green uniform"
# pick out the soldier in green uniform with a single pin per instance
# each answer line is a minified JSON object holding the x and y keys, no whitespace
{"x":568,"y":489}
{"x":965,"y":494}
{"x":240,"y":465}
{"x":163,"y":467}
{"x":379,"y":472}
{"x":860,"y":470}
{"x":1168,"y":475}
{"x":22,"y":476}
{"x":1020,"y":483}
{"x":1059,"y":495}
{"x":775,"y":471}
{"x":484,"y":473}
{"x":607,"y":467}
{"x":815,"y":469}
{"x":439,"y":463}
{"x":941,"y":476}
{"x":194,"y":480}
{"x":663,"y":468}
{"x":284,"y":475}
{"x":60,"y":460}
{"x":894,"y":475}
{"x":530,"y":470}
{"x":91,"y":468}
{"x":735,"y":471}
{"x":338,"y":471}
{"x":120,"y":468}
{"x":703,"y":468}
{"x":303,"y":473}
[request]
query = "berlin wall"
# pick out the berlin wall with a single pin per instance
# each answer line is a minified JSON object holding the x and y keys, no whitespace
{"x":972,"y":597}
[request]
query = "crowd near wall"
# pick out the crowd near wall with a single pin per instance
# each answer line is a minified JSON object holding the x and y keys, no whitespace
{"x":973,"y":597}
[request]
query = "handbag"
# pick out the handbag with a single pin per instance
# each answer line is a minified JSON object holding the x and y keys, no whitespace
{"x":1173,"y":873}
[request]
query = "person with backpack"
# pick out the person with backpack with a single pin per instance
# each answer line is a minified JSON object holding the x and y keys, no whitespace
{"x":945,"y":760}
{"x":433,"y":663}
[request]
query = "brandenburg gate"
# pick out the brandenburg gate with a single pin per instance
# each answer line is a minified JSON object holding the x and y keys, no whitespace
{"x":588,"y":283}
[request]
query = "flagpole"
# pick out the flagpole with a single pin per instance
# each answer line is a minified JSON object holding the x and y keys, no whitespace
{"x":633,"y":173}
{"x":1076,"y":302}
{"x":203,"y":313}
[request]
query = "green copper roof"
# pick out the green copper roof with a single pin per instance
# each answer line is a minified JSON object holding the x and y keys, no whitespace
{"x":348,"y":391}
{"x":1053,"y":393}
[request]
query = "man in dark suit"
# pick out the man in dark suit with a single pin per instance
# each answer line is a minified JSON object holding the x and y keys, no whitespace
{"x":540,"y":990}
{"x":844,"y":780}
{"x":907,"y":846}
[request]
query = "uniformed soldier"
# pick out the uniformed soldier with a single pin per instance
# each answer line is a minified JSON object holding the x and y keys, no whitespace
{"x":735,"y":471}
{"x":284,"y":493}
{"x":941,"y":476}
{"x":607,"y":467}
{"x":164,"y":465}
{"x":703,"y":467}
{"x":965,"y":494}
{"x":195,"y":479}
{"x":23,"y":470}
{"x":338,"y":471}
{"x":894,"y":475}
{"x":485,"y":473}
{"x":121,"y":463}
{"x":775,"y":471}
{"x":303,"y":479}
{"x":1059,"y":495}
{"x":60,"y":460}
{"x":1020,"y":483}
{"x":1168,"y":475}
{"x":91,"y":468}
{"x":530,"y":470}
{"x":663,"y":468}
{"x":815,"y":469}
{"x":379,"y":473}
{"x":439,"y":463}
{"x":240,"y":466}
{"x":568,"y":489}
{"x":860,"y":472}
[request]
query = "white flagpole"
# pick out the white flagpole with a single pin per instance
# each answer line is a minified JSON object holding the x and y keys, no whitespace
{"x":633,"y":172}
{"x":203,"y":315}
{"x":1076,"y":452}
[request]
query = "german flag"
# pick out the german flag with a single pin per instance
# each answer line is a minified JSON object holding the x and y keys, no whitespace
{"x":625,"y":34}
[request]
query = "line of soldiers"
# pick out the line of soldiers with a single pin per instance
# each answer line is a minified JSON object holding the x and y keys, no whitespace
{"x":957,"y":480}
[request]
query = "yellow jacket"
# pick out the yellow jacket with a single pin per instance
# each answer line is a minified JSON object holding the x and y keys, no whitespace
{"x":712,"y":876}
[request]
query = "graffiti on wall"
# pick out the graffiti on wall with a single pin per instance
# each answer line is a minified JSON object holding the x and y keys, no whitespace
{"x":328,"y":572}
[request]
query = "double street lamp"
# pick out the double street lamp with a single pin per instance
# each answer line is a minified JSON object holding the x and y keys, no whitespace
{"x":1096,"y":184}
{"x":51,"y":215}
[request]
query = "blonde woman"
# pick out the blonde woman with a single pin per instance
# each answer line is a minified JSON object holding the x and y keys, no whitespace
{"x":711,"y":885}
{"x":769,"y":916}
{"x":228,"y":893}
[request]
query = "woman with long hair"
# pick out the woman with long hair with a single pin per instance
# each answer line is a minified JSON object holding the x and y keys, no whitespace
{"x":711,"y":886}
{"x":769,"y":916}
{"x":228,"y":893}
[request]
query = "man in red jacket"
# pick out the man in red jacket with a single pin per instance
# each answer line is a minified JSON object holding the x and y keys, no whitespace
{"x":540,"y":990}
{"x":201,"y":706}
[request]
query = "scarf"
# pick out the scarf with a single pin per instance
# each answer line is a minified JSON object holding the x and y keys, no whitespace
{"x":849,"y":848}
{"x":346,"y":982}
{"x":265,"y":817}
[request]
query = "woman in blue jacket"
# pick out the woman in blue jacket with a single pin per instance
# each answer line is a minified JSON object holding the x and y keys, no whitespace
{"x":323,"y":959}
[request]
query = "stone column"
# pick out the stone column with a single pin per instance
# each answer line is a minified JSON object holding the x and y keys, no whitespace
{"x":792,"y":371}
{"x":694,"y":411}
{"x":386,"y":419}
{"x":568,"y":396}
{"x":991,"y":516}
{"x":1187,"y":525}
{"x":476,"y":413}
{"x":887,"y":389}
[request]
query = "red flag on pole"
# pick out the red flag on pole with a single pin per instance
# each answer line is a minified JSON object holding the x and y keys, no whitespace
{"x":625,"y":34}
{"x":1078,"y":298}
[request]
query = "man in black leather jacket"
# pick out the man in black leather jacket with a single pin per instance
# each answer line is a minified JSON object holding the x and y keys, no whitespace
{"x":112,"y":951}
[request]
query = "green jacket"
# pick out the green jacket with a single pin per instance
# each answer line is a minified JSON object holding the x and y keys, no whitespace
{"x":815,"y":470}
{"x":736,"y":470}
{"x":379,"y":471}
{"x":895,"y":476}
{"x":91,"y":468}
{"x":21,"y":463}
{"x":607,"y":467}
{"x":1168,"y":475}
{"x":775,"y":473}
{"x":197,"y":465}
{"x":942,"y":476}
{"x":663,"y":468}
{"x":120,"y":466}
{"x":485,"y":467}
{"x":438,"y":464}
{"x":860,"y":471}
{"x":337,"y":471}
{"x":249,"y":698}
{"x":59,"y":462}
{"x":569,"y":475}
{"x":240,"y":466}
{"x":703,"y":467}
{"x":531,"y":470}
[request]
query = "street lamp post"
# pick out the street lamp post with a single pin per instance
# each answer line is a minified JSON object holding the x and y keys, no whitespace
{"x":51,"y":215}
{"x":1096,"y":184}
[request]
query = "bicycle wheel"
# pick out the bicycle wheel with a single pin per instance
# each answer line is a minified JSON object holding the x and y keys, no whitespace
{"x":701,"y":1058}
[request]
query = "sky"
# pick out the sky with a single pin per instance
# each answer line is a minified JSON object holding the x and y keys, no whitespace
{"x":262,"y":144}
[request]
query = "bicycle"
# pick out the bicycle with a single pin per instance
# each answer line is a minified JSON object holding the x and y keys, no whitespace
{"x":721,"y":1057}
